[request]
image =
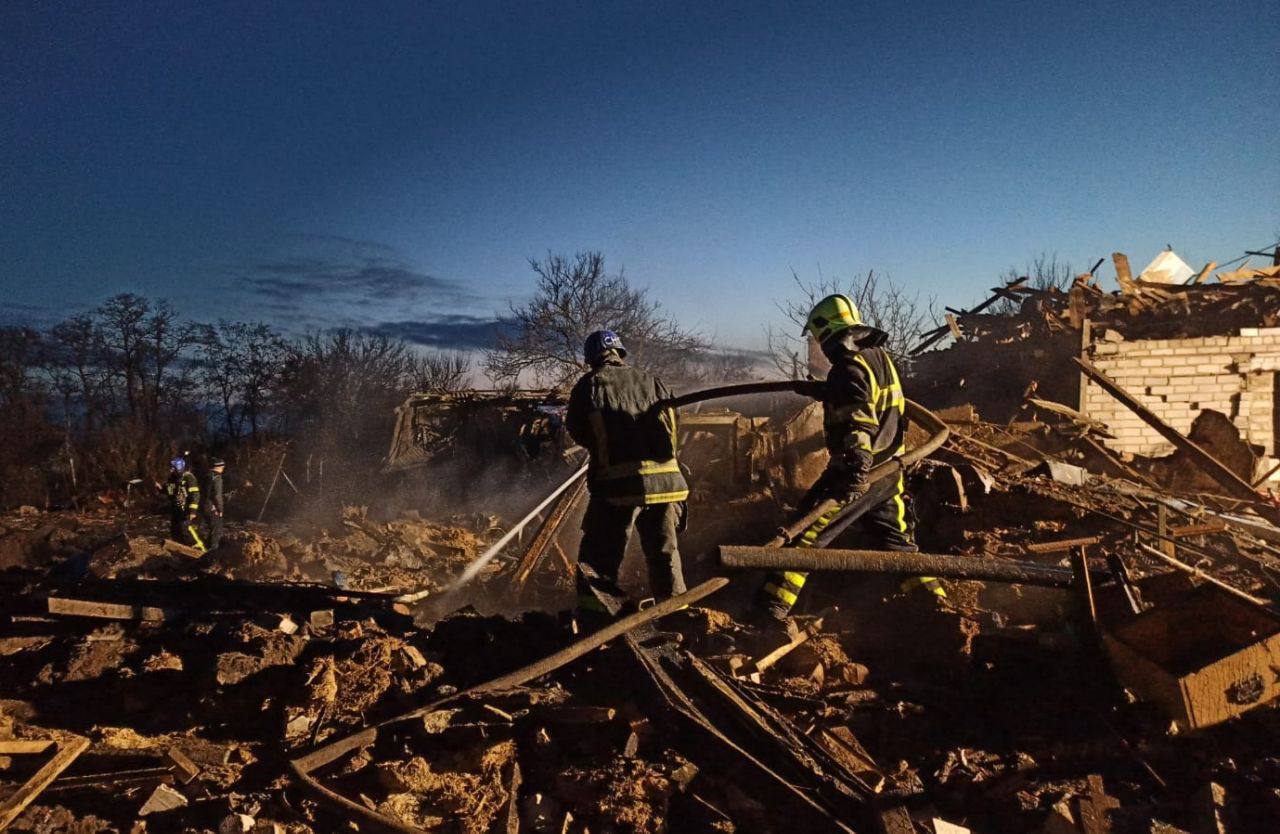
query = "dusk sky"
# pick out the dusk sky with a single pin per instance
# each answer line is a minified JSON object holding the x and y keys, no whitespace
{"x":393,"y":165}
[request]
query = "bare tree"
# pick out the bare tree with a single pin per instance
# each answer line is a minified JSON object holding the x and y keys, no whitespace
{"x":76,"y":362}
{"x":240,"y":363}
{"x":120,"y":319}
{"x":221,"y":357}
{"x":439,"y":371}
{"x":1044,"y":272}
{"x":165,"y":338}
{"x":574,"y":297}
{"x":882,"y":303}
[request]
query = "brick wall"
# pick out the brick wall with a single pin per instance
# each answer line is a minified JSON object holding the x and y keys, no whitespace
{"x":1176,"y":378}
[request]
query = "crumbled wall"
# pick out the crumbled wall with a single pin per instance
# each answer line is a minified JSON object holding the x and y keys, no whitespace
{"x":1177,"y":378}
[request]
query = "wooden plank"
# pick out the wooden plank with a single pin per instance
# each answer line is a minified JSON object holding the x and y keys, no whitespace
{"x":546,"y":536}
{"x":1203,"y":273}
{"x":69,"y":749}
{"x":170,"y":546}
{"x":1060,"y":545}
{"x":1084,"y":585}
{"x":103,"y":610}
{"x":936,"y":334}
{"x":1124,"y":277}
{"x":20,"y":747}
{"x":187,"y":770}
{"x":1257,"y":602}
{"x":1235,"y":486}
{"x":953,"y":327}
{"x":1188,"y":530}
{"x":781,"y":652}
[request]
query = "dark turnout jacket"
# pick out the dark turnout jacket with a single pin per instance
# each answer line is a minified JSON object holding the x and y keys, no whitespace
{"x":213,"y":500}
{"x":863,"y":406}
{"x":183,"y":492}
{"x":633,"y":447}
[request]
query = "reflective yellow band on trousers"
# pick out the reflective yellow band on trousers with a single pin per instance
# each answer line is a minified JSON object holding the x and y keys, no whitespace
{"x":795,"y":578}
{"x":781,"y":593}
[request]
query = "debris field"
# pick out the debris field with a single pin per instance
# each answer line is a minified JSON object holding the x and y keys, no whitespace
{"x":1107,"y":657}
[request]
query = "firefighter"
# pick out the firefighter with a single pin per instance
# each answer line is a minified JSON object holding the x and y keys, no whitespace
{"x":211,"y":501}
{"x":864,"y":421}
{"x":183,"y":492}
{"x":634,"y":478}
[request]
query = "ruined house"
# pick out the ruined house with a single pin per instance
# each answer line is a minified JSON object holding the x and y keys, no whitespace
{"x":1203,"y":357}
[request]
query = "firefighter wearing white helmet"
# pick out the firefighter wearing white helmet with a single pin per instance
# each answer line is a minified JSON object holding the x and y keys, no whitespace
{"x":864,"y":422}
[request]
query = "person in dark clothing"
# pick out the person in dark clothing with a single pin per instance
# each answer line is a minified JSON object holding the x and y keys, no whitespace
{"x":182,"y":492}
{"x":212,"y":502}
{"x":634,"y":479}
{"x":864,"y":422}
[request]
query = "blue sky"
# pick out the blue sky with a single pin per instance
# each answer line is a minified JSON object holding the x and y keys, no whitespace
{"x":395,"y":164}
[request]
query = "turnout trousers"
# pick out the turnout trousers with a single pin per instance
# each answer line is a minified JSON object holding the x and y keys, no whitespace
{"x":183,"y":530}
{"x":606,"y":531}
{"x":889,"y":525}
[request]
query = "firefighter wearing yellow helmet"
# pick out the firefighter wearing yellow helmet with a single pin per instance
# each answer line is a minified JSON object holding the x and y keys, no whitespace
{"x":864,"y":422}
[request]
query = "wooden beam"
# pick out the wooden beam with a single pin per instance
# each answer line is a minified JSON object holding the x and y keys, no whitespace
{"x":937,"y":333}
{"x":22,"y":747}
{"x":1244,"y":596}
{"x":103,"y":610}
{"x":953,"y":327}
{"x":1235,"y":486}
{"x":69,"y":749}
{"x":1203,"y":273}
{"x":1061,"y":544}
{"x":1124,"y":277}
{"x":170,"y":546}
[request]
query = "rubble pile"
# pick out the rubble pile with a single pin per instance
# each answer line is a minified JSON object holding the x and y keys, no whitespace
{"x":1105,"y":658}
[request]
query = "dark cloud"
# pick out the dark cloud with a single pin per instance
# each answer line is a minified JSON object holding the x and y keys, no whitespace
{"x":450,"y":331}
{"x":17,"y":314}
{"x":306,"y":280}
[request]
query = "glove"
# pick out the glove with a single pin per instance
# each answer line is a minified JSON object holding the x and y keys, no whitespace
{"x":851,"y":484}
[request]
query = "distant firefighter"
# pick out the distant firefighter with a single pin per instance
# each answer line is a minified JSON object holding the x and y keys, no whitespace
{"x":212,"y":502}
{"x":865,"y":424}
{"x":634,"y":477}
{"x":183,"y":493}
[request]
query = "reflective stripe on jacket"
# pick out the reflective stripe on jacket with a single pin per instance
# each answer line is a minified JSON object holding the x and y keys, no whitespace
{"x":864,"y":406}
{"x":183,"y":491}
{"x":633,"y":450}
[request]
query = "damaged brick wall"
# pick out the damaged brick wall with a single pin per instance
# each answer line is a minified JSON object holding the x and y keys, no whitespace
{"x":1178,"y":378}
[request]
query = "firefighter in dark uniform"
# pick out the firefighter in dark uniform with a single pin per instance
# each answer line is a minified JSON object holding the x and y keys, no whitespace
{"x":864,"y":422}
{"x":634,"y":478}
{"x":212,"y":502}
{"x":182,"y":490}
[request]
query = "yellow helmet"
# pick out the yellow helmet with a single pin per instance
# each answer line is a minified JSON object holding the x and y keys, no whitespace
{"x":832,"y":315}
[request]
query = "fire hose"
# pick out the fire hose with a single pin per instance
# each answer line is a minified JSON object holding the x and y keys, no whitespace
{"x":938,"y":434}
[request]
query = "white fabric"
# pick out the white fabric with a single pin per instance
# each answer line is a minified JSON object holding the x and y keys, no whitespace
{"x":1167,"y":268}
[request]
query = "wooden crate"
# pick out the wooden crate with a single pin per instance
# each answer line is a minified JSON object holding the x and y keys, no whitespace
{"x":1203,"y":657}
